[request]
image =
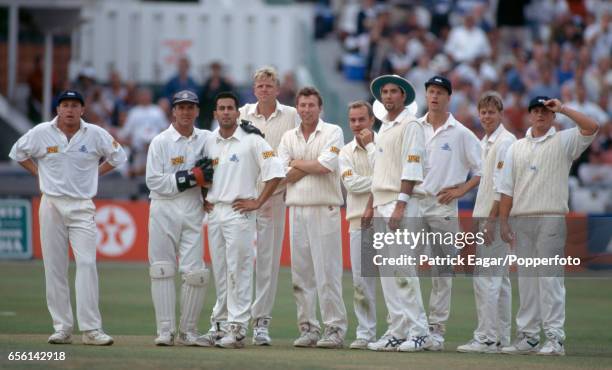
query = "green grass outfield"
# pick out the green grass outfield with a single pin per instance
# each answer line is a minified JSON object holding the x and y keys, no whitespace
{"x":128,"y":315}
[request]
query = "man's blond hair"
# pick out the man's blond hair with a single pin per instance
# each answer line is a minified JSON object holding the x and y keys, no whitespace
{"x":266,"y":72}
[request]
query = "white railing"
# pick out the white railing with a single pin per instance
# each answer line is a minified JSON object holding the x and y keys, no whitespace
{"x":143,"y":40}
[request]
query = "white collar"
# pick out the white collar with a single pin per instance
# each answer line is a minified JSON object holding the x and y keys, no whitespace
{"x":498,"y":131}
{"x":450,"y":122}
{"x":175,"y":135}
{"x":82,"y":126}
{"x":252,"y":109}
{"x":354,"y":145}
{"x":319,"y":127}
{"x":399,"y":118}
{"x":238,"y":134}
{"x":551,"y":132}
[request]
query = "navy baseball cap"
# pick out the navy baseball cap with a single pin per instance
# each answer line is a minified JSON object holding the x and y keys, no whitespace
{"x":70,"y":94}
{"x":538,"y":101}
{"x":440,"y":81}
{"x":185,"y":96}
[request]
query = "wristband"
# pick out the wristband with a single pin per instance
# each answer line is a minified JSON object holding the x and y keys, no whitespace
{"x":403,"y":197}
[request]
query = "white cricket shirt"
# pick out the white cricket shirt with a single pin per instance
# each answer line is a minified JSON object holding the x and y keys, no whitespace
{"x":238,"y":162}
{"x":68,"y":168}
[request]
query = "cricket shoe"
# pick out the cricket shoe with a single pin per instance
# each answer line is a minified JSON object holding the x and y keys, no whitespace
{"x":261,"y":335}
{"x":332,"y":338}
{"x":196,"y":339}
{"x":164,"y":338}
{"x":386,"y":343}
{"x":309,"y":336}
{"x":359,"y":343}
{"x":523,"y":345}
{"x":552,"y":347}
{"x":436,"y":334}
{"x":97,"y":337}
{"x":475,"y":346}
{"x":416,"y":344}
{"x":60,"y":337}
{"x":234,"y":338}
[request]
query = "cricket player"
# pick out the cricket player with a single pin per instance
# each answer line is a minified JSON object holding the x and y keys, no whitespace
{"x":453,"y":152}
{"x":397,"y":167}
{"x":492,"y":289}
{"x":241,"y":156}
{"x":356,"y":173}
{"x":534,"y":190}
{"x":64,"y":154}
{"x":314,"y":196}
{"x":273,"y":119}
{"x":175,"y":179}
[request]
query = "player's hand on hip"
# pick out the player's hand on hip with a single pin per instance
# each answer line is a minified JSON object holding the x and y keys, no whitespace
{"x":245,"y":205}
{"x":208,"y":207}
{"x":447,"y":195}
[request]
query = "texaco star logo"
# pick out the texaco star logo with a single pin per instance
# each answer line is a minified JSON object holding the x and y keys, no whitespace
{"x":116,"y":231}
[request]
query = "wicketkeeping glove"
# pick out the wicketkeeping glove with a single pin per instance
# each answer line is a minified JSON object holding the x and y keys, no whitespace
{"x":249,"y":128}
{"x":201,"y":175}
{"x":206,"y":166}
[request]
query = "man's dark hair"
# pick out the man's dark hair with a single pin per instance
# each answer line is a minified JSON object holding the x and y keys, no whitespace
{"x":226,"y":95}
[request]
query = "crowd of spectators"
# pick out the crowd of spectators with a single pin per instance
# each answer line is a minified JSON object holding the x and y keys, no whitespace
{"x":519,"y":48}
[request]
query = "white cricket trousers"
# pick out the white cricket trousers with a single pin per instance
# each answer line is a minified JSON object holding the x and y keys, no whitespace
{"x":175,"y":230}
{"x":440,"y":218}
{"x":541,"y":290}
{"x":316,"y":265}
{"x":231,"y":236}
{"x":270,"y":234}
{"x":400,"y":284}
{"x":364,"y":292}
{"x":64,"y":220}
{"x":493,"y":294}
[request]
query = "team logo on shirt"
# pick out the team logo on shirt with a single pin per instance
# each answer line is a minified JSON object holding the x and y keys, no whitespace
{"x":334,"y":149}
{"x":215,"y":161}
{"x":234,"y":158}
{"x":83,"y":149}
{"x":414,"y":159}
{"x":446,"y":147}
{"x":177,"y":160}
{"x":268,"y":154}
{"x":52,"y":149}
{"x":115,"y":144}
{"x":347,"y":173}
{"x":500,"y":165}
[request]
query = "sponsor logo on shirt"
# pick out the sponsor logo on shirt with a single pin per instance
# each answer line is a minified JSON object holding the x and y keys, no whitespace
{"x":268,"y":154}
{"x":533,"y":168}
{"x":414,"y":159}
{"x":177,"y":160}
{"x":215,"y":161}
{"x":52,"y":149}
{"x":334,"y":149}
{"x":347,"y":173}
{"x":83,"y":149}
{"x":115,"y":144}
{"x":234,"y":158}
{"x":500,"y":165}
{"x":446,"y":147}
